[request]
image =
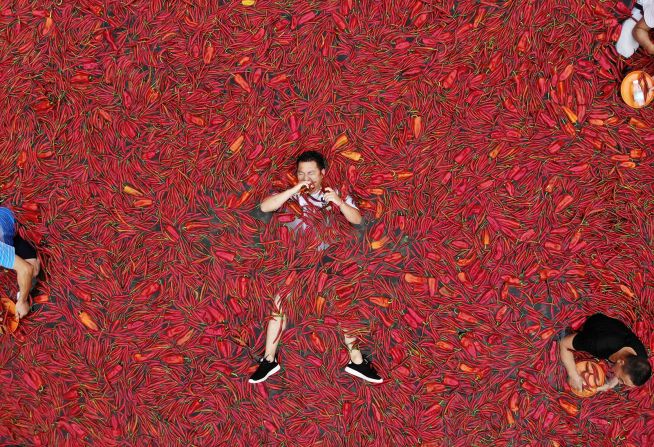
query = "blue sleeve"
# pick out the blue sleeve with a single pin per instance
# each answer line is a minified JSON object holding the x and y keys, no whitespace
{"x":7,"y":226}
{"x":7,"y":255}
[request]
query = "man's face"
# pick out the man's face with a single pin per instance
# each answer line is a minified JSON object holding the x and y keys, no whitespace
{"x":622,"y":376}
{"x":308,"y":170}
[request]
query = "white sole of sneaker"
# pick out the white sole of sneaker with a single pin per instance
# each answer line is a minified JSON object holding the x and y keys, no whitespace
{"x":270,"y":373}
{"x":361,"y":376}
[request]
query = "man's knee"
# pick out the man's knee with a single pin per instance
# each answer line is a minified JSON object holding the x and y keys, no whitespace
{"x":36,"y":266}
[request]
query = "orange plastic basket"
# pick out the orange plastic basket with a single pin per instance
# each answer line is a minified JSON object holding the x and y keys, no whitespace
{"x":8,"y":324}
{"x":646,"y":83}
{"x":594,"y":376}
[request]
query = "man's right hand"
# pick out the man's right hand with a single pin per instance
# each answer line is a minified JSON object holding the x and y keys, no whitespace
{"x":576,"y":382}
{"x":297,"y":188}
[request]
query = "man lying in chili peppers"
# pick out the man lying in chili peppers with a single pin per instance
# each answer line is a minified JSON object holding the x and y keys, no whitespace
{"x":635,"y":30}
{"x":607,"y":338}
{"x":19,"y":255}
{"x":307,"y":193}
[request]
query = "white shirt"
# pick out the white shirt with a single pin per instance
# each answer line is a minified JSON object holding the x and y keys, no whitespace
{"x":648,"y":11}
{"x":317,"y":199}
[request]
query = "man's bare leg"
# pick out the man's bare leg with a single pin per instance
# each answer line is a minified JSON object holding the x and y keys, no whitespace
{"x":359,"y":366}
{"x":268,"y":364}
{"x":353,"y":348}
{"x":276,"y":326}
{"x":36,"y":266}
{"x":23,"y":303}
{"x":24,"y":275}
{"x":641,"y":34}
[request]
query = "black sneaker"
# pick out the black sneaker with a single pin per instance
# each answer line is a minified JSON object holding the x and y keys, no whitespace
{"x":265,"y":370}
{"x":363,"y":370}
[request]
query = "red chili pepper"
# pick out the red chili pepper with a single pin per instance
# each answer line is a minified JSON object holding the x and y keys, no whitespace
{"x":463,"y":316}
{"x":421,"y":19}
{"x":523,"y":42}
{"x":235,"y":306}
{"x":278,"y":79}
{"x":479,"y":17}
{"x":226,"y":255}
{"x":33,"y":380}
{"x":113,"y":372}
{"x":290,"y":279}
{"x":415,"y":71}
{"x":463,"y":30}
{"x":340,"y":21}
{"x":350,"y":270}
{"x":242,"y":82}
{"x":43,"y":105}
{"x":47,"y":26}
{"x":563,"y":203}
{"x":568,"y":406}
{"x":377,"y":413}
{"x":346,"y":410}
{"x":306,"y":18}
{"x":461,"y":156}
{"x":411,"y":321}
{"x":81,"y":78}
{"x":432,"y":285}
{"x":84,"y":296}
{"x":207,"y":56}
{"x":259,"y":35}
{"x":530,"y":387}
{"x":377,"y":231}
{"x":495,"y":60}
{"x":173,"y":359}
{"x":449,"y":80}
{"x":216,"y":314}
{"x":386,"y":319}
{"x":317,"y":342}
{"x":110,"y":40}
{"x":72,"y":393}
{"x":416,"y":8}
{"x":345,"y":290}
{"x":172,"y":232}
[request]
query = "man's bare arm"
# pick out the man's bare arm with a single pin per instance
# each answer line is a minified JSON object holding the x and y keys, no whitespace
{"x":568,"y":359}
{"x":351,"y":214}
{"x":274,"y":202}
{"x":608,"y":385}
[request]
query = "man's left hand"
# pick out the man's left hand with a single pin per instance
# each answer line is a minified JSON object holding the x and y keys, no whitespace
{"x":22,"y":308}
{"x":333,"y":197}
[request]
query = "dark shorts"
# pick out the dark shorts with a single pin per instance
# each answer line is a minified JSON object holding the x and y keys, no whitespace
{"x":23,"y":248}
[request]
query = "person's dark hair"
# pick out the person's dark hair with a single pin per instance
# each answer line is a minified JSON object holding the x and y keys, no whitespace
{"x":638,"y":369}
{"x":311,"y":156}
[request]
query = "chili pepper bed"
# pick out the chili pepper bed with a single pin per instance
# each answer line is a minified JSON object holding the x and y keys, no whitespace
{"x":505,"y":187}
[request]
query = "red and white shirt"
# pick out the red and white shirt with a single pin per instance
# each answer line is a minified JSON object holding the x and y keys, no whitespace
{"x":315,"y":203}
